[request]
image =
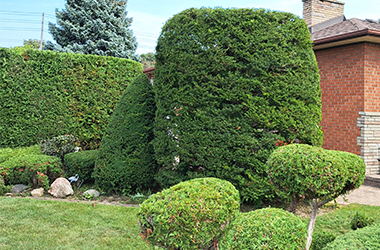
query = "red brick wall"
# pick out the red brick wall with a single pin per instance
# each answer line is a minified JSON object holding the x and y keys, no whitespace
{"x":372,"y":77}
{"x":342,"y":84}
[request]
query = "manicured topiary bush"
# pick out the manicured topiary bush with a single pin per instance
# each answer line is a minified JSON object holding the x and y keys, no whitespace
{"x":33,"y":170}
{"x":81,"y":163}
{"x":126,"y":158}
{"x":229,"y":83}
{"x":361,"y":239}
{"x":303,"y":172}
{"x":190,"y":215}
{"x":268,"y":228}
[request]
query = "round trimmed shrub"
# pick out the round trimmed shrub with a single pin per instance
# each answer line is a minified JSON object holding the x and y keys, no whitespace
{"x":229,"y":84}
{"x":126,"y":158}
{"x":361,"y":239}
{"x":268,"y":228}
{"x":193,"y":214}
{"x":81,"y":163}
{"x":300,"y":171}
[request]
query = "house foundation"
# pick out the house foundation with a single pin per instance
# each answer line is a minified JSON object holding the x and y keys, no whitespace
{"x":369,"y":140}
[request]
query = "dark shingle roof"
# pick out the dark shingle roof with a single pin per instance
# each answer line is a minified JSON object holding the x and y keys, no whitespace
{"x":344,"y":27}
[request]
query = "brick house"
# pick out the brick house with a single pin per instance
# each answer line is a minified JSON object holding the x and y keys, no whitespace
{"x":348,"y":55}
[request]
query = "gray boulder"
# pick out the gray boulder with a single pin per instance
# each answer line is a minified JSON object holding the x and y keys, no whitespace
{"x":92,"y":192}
{"x":60,"y":188}
{"x":16,"y":189}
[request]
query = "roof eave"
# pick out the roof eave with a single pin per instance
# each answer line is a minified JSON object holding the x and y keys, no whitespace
{"x":365,"y":35}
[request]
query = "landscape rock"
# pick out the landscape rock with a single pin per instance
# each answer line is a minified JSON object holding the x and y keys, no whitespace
{"x":60,"y":188}
{"x":92,"y":192}
{"x":16,"y":189}
{"x":37,"y":192}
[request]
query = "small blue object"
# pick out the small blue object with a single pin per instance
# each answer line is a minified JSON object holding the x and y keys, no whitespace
{"x":74,"y":178}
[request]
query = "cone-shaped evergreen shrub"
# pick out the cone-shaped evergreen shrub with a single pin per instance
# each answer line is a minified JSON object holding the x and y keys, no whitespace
{"x":229,"y":83}
{"x":125,"y":158}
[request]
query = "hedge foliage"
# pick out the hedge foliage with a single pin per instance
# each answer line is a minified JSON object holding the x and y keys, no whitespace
{"x":268,"y":228}
{"x":300,"y":170}
{"x":45,"y":94}
{"x":361,"y":239}
{"x":8,"y":153}
{"x":190,"y":215}
{"x":229,"y":83}
{"x":125,"y":160}
{"x":33,"y":170}
{"x":81,"y":163}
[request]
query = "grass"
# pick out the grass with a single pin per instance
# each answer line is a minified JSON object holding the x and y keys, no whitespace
{"x":40,"y":224}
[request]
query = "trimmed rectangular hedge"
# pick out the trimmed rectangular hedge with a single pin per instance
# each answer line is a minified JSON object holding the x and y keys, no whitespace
{"x":45,"y":94}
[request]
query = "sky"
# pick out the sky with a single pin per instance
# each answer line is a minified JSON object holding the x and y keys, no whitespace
{"x":22,"y":19}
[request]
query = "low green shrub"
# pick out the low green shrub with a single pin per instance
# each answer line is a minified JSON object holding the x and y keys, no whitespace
{"x":81,"y":163}
{"x":361,"y":239}
{"x":7,"y":153}
{"x":321,"y":239}
{"x":268,"y":228}
{"x":59,"y":146}
{"x":190,"y":215}
{"x":33,"y":170}
{"x":3,"y":189}
{"x":360,"y":220}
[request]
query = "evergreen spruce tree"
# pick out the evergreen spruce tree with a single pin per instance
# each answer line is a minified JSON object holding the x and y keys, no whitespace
{"x":125,"y":160}
{"x":98,"y":27}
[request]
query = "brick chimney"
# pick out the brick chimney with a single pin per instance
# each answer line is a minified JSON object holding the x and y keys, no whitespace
{"x":319,"y":11}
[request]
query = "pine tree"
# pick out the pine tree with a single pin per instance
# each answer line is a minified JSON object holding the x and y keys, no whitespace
{"x":98,"y":27}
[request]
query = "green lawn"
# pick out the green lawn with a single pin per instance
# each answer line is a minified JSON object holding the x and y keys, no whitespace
{"x":39,"y":224}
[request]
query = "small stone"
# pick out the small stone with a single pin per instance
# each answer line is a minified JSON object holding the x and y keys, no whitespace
{"x":92,"y":192}
{"x":8,"y":194}
{"x":16,"y":189}
{"x":37,"y":192}
{"x":60,"y":188}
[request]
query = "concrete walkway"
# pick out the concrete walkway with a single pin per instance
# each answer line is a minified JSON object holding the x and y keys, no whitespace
{"x":367,"y":194}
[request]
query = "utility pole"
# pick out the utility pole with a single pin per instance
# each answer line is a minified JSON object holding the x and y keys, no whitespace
{"x":42,"y":30}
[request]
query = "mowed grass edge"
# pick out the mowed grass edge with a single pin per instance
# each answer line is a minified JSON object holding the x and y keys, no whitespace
{"x":45,"y":224}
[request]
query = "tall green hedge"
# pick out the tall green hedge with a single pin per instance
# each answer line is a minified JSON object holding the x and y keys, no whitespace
{"x":125,"y":161}
{"x":229,"y":83}
{"x":45,"y":94}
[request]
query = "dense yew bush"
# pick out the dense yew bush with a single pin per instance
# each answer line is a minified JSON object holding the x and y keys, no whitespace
{"x":268,"y":228}
{"x":125,"y":158}
{"x":8,"y":153}
{"x":303,"y":172}
{"x":229,"y":83}
{"x":34,"y":170}
{"x":361,"y":239}
{"x":81,"y":163}
{"x":190,"y":215}
{"x":44,"y":94}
